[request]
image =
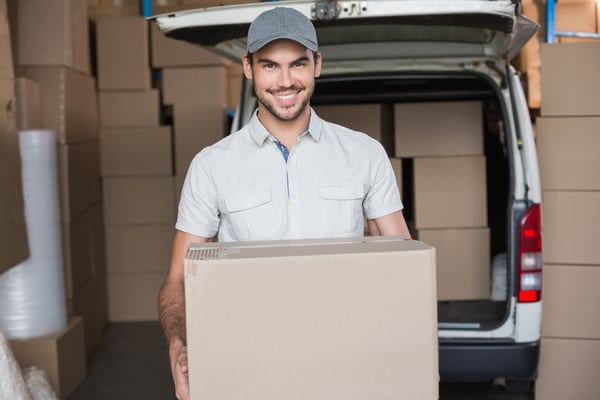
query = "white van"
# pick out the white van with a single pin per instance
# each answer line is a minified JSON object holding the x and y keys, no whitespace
{"x":426,"y":54}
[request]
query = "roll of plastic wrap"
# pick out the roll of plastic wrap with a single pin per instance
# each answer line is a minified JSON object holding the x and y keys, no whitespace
{"x":32,"y":293}
{"x":38,"y":384}
{"x":12,"y":382}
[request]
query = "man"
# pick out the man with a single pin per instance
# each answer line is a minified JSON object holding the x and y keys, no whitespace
{"x":286,"y":175}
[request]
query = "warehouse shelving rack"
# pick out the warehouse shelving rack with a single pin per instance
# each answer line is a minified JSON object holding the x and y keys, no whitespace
{"x":552,"y":33}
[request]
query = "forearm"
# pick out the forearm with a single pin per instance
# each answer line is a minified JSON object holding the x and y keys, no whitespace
{"x":171,"y":308}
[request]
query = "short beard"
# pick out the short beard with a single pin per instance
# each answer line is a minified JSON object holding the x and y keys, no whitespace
{"x":272,"y":110}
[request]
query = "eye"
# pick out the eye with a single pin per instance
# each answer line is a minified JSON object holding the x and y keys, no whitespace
{"x":269,"y":66}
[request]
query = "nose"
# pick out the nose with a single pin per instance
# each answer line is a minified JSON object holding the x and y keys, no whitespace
{"x":285,"y":78}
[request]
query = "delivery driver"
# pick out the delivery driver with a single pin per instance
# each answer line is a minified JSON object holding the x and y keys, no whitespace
{"x":288,"y":174}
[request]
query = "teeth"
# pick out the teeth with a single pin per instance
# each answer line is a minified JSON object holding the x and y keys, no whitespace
{"x":285,"y":97}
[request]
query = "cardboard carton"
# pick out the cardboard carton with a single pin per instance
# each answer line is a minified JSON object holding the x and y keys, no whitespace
{"x":6,"y":57}
{"x":78,"y":177}
{"x":68,"y":102}
{"x":122,"y":52}
{"x":450,"y":192}
{"x":13,"y":231}
{"x":571,"y":227}
{"x":138,"y":249}
{"x":61,"y":355}
{"x":463,"y":262}
{"x":366,"y":118}
{"x":568,"y":369}
{"x":51,"y":33}
{"x":136,"y":151}
{"x":571,"y":297}
{"x":125,"y":304}
{"x":570,"y":84}
{"x":29,"y":110}
{"x":347,"y":318}
{"x":9,"y":139}
{"x":198,"y":120}
{"x":138,"y":200}
{"x":456,"y":129}
{"x":568,"y":152}
{"x":132,"y":108}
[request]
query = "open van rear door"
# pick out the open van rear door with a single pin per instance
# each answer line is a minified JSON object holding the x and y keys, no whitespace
{"x":348,"y":30}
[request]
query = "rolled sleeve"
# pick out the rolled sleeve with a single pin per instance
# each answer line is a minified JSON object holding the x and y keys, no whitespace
{"x":383,"y":197}
{"x":198,"y":213}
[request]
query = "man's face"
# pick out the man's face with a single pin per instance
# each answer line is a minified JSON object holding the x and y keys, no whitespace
{"x":283,"y":74}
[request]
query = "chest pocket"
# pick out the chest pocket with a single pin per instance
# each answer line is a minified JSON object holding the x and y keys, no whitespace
{"x":342,"y":209}
{"x":248,"y":214}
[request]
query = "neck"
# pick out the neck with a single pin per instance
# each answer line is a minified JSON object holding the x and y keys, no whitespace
{"x":287,"y":132}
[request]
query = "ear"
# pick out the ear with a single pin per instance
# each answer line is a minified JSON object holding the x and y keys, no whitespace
{"x":318,"y":63}
{"x":247,"y":66}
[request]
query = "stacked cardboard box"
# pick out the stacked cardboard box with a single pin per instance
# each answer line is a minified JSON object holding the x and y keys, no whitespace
{"x":13,"y":234}
{"x":136,"y":168}
{"x":198,"y":87}
{"x":568,"y":139}
{"x":449,"y":184}
{"x":570,"y":15}
{"x":56,"y":91}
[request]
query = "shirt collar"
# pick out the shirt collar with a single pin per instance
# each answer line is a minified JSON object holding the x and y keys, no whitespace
{"x":260,"y":134}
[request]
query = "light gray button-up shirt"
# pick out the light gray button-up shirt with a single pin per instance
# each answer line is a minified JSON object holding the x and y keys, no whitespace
{"x":243,"y":189}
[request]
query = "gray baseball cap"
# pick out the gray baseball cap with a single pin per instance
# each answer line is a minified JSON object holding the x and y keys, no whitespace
{"x":281,"y":23}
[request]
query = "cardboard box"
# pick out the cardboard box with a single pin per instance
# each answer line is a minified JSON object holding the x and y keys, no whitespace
{"x":51,"y":33}
{"x":9,"y":139}
{"x":136,"y":151}
{"x":570,"y":84}
{"x":68,"y":101}
{"x":78,"y":177}
{"x":534,"y":87}
{"x":139,"y":200}
{"x":568,"y":152}
{"x":6,"y":57}
{"x":577,"y":16}
{"x":125,"y":304}
{"x":198,"y":121}
{"x":168,"y":52}
{"x":568,"y":369}
{"x":139,"y":249}
{"x":123,"y":64}
{"x":133,"y":108}
{"x":456,"y":129}
{"x":571,"y":299}
{"x":13,"y":230}
{"x":366,"y":118}
{"x":571,"y":227}
{"x":450,"y":192}
{"x":91,"y":303}
{"x":234,"y":85}
{"x":29,"y":110}
{"x":312,"y":319}
{"x":529,"y":56}
{"x":61,"y":355}
{"x":83,"y":249}
{"x":179,"y":180}
{"x":463,"y":262}
{"x":397,"y":166}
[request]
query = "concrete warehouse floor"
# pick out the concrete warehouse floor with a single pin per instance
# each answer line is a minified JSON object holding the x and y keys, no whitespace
{"x":131,"y":363}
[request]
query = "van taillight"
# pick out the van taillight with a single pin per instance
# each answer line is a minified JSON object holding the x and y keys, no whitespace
{"x":530,"y":256}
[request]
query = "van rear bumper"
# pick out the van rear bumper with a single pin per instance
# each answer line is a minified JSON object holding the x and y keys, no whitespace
{"x":479,"y":360}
